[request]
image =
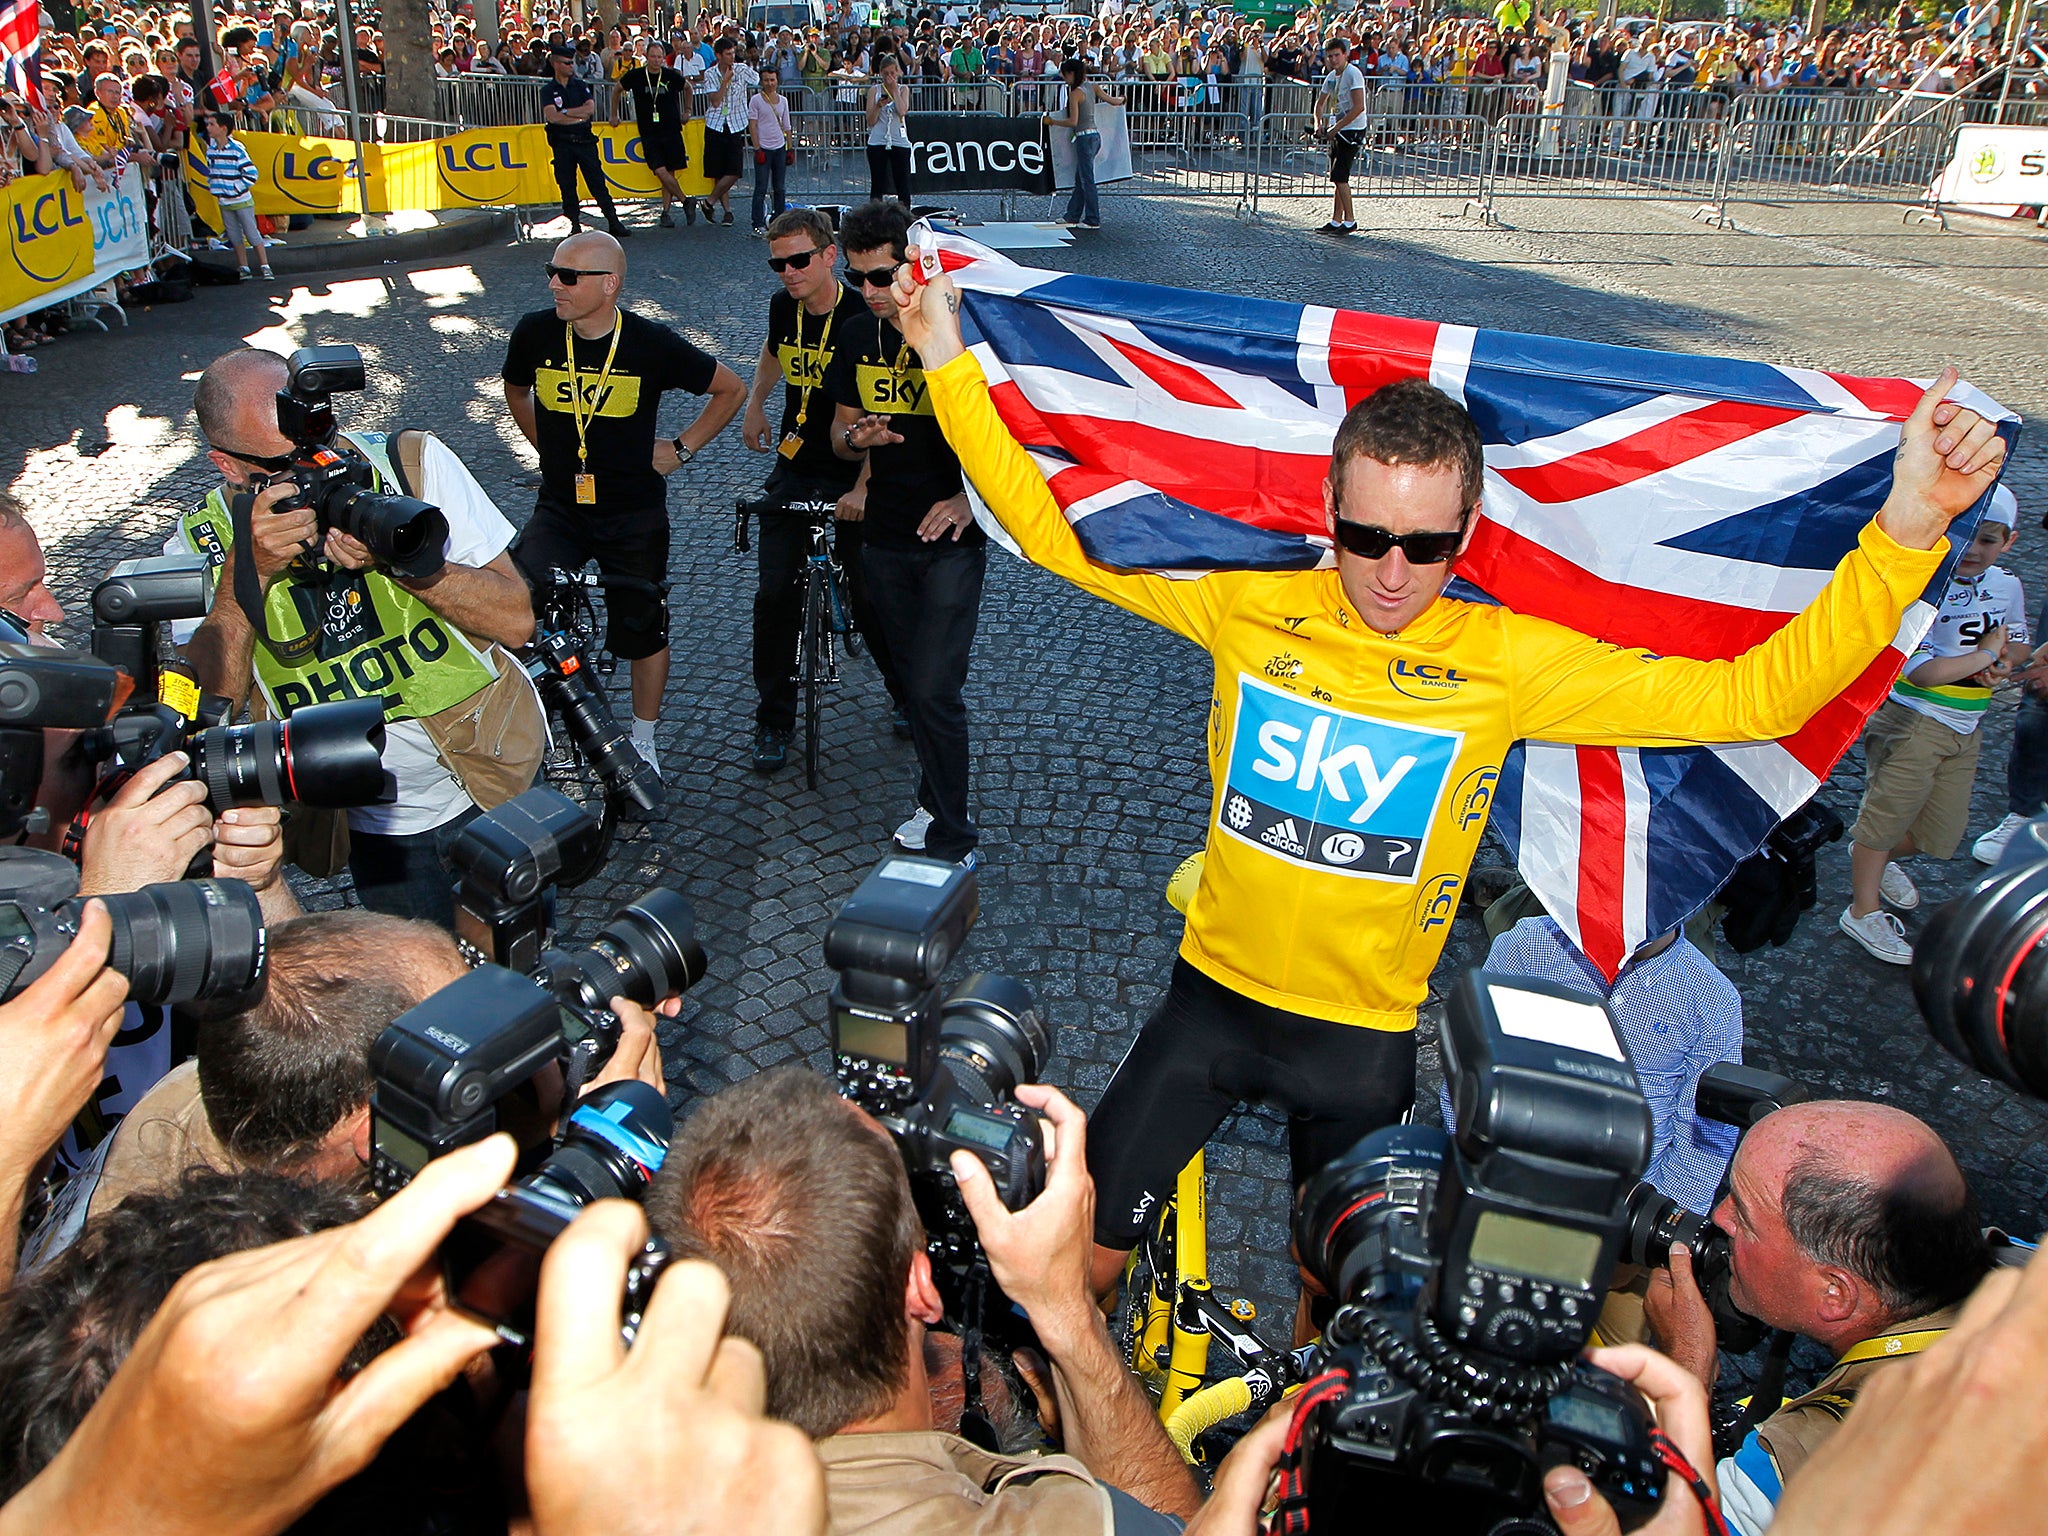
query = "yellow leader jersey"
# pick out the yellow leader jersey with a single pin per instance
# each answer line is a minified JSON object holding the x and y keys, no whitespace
{"x":1353,"y":771}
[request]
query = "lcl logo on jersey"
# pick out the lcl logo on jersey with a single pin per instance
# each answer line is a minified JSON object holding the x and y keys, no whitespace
{"x":1340,"y":792}
{"x":1424,"y":680}
{"x":1438,"y":903}
{"x":1473,"y":798}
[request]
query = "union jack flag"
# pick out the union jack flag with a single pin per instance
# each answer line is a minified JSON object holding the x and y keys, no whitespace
{"x":1686,"y":505}
{"x":21,"y":49}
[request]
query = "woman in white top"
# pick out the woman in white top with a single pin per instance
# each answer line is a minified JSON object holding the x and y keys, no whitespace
{"x":888,"y":106}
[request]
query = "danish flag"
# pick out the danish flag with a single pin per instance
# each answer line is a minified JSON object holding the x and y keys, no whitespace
{"x":1685,"y":505}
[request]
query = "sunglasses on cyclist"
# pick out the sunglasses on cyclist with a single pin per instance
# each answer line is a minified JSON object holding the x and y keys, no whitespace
{"x":800,"y":260}
{"x":568,"y":275}
{"x":1428,"y":548}
{"x":878,"y":277}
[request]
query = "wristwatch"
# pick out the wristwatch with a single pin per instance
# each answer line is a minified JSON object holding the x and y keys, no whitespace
{"x":846,"y":437}
{"x":684,"y":453}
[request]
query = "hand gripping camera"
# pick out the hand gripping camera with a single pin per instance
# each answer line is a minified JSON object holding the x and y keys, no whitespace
{"x":1470,"y":1276}
{"x":939,"y":1070}
{"x":407,"y":535}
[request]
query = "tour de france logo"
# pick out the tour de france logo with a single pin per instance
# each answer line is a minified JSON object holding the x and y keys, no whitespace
{"x":1985,"y":164}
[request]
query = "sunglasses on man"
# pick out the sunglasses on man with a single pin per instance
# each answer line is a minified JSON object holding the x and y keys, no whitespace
{"x":877,"y":277}
{"x":1432,"y":547}
{"x":567,"y":276}
{"x":800,"y":260}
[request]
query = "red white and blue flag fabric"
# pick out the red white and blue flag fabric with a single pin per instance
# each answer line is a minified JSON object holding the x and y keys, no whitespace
{"x":21,"y":49}
{"x":1685,"y":505}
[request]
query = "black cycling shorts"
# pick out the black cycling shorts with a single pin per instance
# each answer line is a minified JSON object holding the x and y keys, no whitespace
{"x":622,"y":544}
{"x":664,"y":151}
{"x":1206,"y":1051}
{"x":1344,"y":150}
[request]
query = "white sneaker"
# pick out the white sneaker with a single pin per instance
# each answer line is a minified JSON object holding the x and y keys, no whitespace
{"x":910,"y":836}
{"x":646,"y":750}
{"x":1880,"y":933}
{"x":1990,"y":848}
{"x":1897,"y":888}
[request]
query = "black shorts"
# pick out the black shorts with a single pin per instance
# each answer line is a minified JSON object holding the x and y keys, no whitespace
{"x":623,"y":544}
{"x":723,"y":152}
{"x":664,"y":151}
{"x":1206,"y":1051}
{"x":1344,"y":150}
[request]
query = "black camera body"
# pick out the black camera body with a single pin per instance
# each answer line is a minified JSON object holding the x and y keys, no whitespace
{"x":938,"y":1070}
{"x":43,"y":688}
{"x":1469,"y":1277}
{"x":338,"y":484}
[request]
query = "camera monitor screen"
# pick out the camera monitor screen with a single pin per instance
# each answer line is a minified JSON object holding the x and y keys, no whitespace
{"x":1556,"y":1021}
{"x":399,"y":1147}
{"x":1561,"y":1255}
{"x":1594,"y":1420}
{"x":862,"y":1034}
{"x":982,"y":1130}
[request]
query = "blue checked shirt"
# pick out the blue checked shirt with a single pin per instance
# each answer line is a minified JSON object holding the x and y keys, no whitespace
{"x":1677,"y":1016}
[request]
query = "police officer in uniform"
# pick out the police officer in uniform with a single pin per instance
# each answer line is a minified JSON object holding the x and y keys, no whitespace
{"x":463,"y":728}
{"x":567,"y":105}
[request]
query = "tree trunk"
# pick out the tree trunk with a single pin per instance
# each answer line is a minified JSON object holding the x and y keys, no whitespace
{"x":408,"y":59}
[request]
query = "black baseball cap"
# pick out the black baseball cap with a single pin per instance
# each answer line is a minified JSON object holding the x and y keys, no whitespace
{"x":561,"y":51}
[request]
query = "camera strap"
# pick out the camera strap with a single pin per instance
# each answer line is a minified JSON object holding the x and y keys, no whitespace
{"x":975,"y":1427}
{"x":249,"y":592}
{"x":1291,"y":1516}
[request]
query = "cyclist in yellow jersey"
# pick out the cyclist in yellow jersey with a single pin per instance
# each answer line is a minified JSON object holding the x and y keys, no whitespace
{"x":1356,"y":727}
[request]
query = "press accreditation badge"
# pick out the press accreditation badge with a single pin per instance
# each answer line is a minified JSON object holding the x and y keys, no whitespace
{"x":791,"y":445}
{"x":586,"y":490}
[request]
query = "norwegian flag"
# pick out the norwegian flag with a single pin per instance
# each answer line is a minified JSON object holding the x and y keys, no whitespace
{"x":21,"y":49}
{"x":1686,"y":505}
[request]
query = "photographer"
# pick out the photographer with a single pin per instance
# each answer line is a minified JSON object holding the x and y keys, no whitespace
{"x":24,"y":586}
{"x":284,"y":1084}
{"x":236,"y":1410}
{"x":802,"y":1200}
{"x":463,"y":727}
{"x":1850,"y":1224}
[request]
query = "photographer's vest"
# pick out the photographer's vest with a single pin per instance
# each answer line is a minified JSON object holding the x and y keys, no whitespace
{"x":933,"y":1484}
{"x":376,"y":640}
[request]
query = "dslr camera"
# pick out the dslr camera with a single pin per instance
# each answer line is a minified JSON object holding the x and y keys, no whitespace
{"x":328,"y":755}
{"x":1980,"y":970}
{"x":339,"y":485}
{"x":509,"y":1046}
{"x":1468,"y":1277}
{"x":938,"y":1069}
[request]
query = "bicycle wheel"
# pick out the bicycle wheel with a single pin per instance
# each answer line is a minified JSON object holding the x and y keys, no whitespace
{"x":813,"y":675}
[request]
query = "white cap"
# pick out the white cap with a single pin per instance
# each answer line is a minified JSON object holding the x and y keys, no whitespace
{"x":2004,"y":508}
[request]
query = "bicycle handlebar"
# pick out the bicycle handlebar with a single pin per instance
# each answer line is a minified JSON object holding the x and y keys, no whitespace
{"x":595,"y":580}
{"x":1205,"y":1409}
{"x":812,"y":512}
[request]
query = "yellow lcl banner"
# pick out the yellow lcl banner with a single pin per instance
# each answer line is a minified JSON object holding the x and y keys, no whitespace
{"x":48,"y":238}
{"x":483,"y":168}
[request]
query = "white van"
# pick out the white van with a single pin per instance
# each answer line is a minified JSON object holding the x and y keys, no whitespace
{"x":794,"y":14}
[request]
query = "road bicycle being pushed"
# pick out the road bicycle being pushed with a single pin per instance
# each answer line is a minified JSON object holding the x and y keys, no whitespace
{"x":827,"y":609}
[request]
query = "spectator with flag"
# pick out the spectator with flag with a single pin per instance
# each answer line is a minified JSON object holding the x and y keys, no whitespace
{"x":1360,"y":718}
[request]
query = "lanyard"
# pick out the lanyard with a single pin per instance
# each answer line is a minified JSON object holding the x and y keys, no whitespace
{"x":576,"y":410}
{"x":1891,"y":1346}
{"x":803,"y":395}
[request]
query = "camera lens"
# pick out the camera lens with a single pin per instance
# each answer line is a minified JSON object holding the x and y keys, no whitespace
{"x":650,"y":948}
{"x":613,"y":1147}
{"x":1979,"y":970}
{"x":184,"y":939}
{"x":1655,"y":1222}
{"x":1368,"y":1205}
{"x":588,"y":719}
{"x":993,"y":1037}
{"x":328,"y":755}
{"x":403,"y":532}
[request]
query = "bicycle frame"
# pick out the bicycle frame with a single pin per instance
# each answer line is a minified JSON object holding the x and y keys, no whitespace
{"x":1170,"y":1357}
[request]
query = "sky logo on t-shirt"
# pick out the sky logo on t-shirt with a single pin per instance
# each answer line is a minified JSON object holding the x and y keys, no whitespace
{"x":1331,"y":789}
{"x":620,"y":395}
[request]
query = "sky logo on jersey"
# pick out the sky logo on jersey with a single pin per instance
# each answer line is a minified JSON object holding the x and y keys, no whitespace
{"x":1331,"y":789}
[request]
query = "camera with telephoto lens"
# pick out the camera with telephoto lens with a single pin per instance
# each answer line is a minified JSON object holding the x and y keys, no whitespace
{"x":329,"y":755}
{"x":1980,"y":968}
{"x":339,"y":485}
{"x":44,"y":688}
{"x":176,"y":942}
{"x":938,"y":1069}
{"x":1733,"y":1095}
{"x":611,"y":1149}
{"x":1468,"y":1277}
{"x":507,"y":1046}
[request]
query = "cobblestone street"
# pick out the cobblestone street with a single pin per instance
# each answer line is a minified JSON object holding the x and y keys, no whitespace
{"x":1090,"y":783}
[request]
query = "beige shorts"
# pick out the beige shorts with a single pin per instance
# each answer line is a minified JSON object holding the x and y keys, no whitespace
{"x":1921,"y":773}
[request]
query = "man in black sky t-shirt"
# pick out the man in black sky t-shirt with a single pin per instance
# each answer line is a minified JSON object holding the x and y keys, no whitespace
{"x":807,"y":321}
{"x":591,"y":414}
{"x":922,"y":551}
{"x":661,"y":105}
{"x":567,"y":104}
